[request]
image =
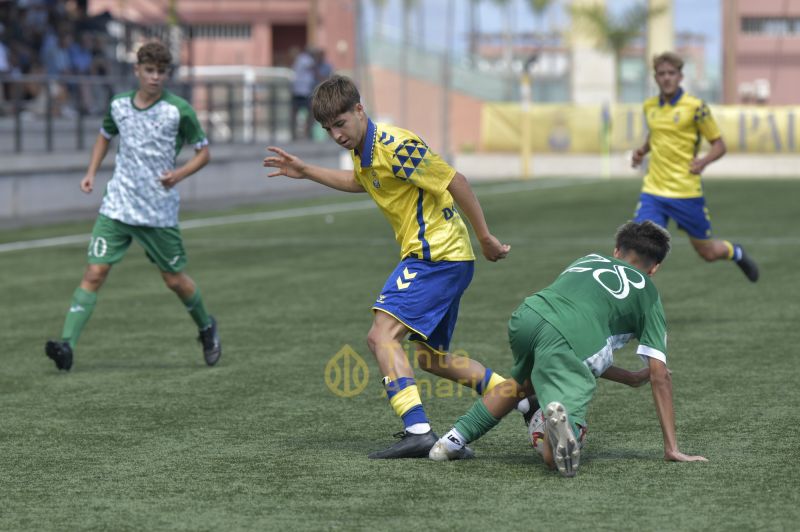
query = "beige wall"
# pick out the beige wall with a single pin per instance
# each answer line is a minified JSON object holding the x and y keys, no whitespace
{"x":333,"y":27}
{"x":424,"y":111}
{"x":750,"y":57}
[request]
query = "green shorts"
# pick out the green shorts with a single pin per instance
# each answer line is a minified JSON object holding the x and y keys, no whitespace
{"x":542,"y":355}
{"x":111,"y":239}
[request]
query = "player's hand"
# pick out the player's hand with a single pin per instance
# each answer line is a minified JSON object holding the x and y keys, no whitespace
{"x":87,"y":184}
{"x":677,"y":456}
{"x":637,"y":157}
{"x":493,"y":250}
{"x":287,"y":164}
{"x":697,"y":166}
{"x":170,"y":178}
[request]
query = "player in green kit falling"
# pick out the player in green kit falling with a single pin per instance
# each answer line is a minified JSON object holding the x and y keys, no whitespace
{"x":562,"y":339}
{"x":141,"y":202}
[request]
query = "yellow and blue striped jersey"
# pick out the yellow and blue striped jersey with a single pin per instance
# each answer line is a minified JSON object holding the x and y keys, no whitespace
{"x":409,"y":183}
{"x":675,"y":129}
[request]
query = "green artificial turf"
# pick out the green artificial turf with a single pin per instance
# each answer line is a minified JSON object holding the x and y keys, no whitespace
{"x":140,"y":435}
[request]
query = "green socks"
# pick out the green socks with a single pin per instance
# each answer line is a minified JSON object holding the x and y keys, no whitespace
{"x":80,"y":310}
{"x":197,"y":310}
{"x":476,"y":422}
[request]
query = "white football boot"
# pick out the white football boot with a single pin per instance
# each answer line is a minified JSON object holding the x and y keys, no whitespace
{"x":442,"y":452}
{"x":566,"y":450}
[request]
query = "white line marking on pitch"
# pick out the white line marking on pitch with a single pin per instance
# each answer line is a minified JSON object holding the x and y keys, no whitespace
{"x":284,"y":214}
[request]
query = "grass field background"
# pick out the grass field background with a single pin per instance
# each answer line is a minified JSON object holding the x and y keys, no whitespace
{"x":140,"y":435}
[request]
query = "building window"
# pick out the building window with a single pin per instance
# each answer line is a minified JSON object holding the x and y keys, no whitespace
{"x":220,"y":31}
{"x":773,"y":26}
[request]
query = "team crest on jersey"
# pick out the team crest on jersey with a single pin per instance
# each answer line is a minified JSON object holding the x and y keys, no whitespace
{"x":677,"y":117}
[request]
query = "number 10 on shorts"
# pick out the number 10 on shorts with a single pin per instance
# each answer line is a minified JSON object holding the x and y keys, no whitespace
{"x":98,"y":247}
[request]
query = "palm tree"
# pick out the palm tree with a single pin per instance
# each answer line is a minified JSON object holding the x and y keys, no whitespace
{"x":615,"y":33}
{"x":539,"y":7}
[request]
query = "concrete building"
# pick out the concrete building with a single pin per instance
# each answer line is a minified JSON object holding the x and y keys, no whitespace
{"x":761,"y":51}
{"x":249,"y":32}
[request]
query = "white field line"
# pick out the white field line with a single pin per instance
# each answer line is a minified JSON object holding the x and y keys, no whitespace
{"x":493,"y":190}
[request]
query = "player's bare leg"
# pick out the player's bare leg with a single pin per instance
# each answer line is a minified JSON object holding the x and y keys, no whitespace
{"x":384,"y":340}
{"x":457,"y":368}
{"x":95,"y":276}
{"x":712,"y":249}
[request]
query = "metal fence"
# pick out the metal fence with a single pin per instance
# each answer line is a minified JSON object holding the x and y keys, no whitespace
{"x":41,"y":114}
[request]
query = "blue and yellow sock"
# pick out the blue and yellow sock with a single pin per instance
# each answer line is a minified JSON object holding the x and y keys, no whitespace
{"x":404,"y":397}
{"x":734,"y":251}
{"x":490,"y":380}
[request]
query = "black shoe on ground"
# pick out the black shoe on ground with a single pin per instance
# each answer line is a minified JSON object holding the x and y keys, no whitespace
{"x":212,"y":349}
{"x":409,"y":446}
{"x":748,"y":266}
{"x":60,"y":353}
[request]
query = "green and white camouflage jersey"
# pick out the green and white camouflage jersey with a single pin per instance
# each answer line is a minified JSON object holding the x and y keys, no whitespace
{"x":600,"y":303}
{"x":149,"y":142}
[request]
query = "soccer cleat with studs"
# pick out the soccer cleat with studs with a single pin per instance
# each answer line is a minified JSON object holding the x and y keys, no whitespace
{"x":440,"y":453}
{"x":60,"y":353}
{"x":212,"y":348}
{"x":409,"y":446}
{"x":566,"y":450}
{"x":747,"y":265}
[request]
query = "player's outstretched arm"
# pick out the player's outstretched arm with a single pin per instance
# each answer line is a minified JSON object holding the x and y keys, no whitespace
{"x":288,"y":165}
{"x":172,"y":177}
{"x":99,"y":152}
{"x":661,"y":382}
{"x":633,"y":379}
{"x":468,"y":204}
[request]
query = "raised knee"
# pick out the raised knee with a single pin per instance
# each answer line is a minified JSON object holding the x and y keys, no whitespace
{"x":173,"y":282}
{"x":94,"y":276}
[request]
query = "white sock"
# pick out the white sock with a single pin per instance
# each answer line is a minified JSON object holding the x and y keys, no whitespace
{"x":453,"y":440}
{"x":524,"y":406}
{"x":419,"y":428}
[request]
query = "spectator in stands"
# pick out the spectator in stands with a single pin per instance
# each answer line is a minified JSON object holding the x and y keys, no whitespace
{"x":305,"y":79}
{"x":80,"y":58}
{"x":324,"y":69}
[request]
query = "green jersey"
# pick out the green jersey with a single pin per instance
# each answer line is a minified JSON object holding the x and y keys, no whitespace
{"x":150,"y":140}
{"x":600,"y":303}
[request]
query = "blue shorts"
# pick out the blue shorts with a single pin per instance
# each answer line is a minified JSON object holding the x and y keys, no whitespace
{"x":690,"y":214}
{"x":424,"y":296}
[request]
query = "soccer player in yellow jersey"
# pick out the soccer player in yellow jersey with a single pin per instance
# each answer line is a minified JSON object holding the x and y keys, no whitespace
{"x":423,"y":198}
{"x":672,"y":186}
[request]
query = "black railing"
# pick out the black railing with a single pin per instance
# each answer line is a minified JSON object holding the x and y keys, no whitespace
{"x":49,"y":114}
